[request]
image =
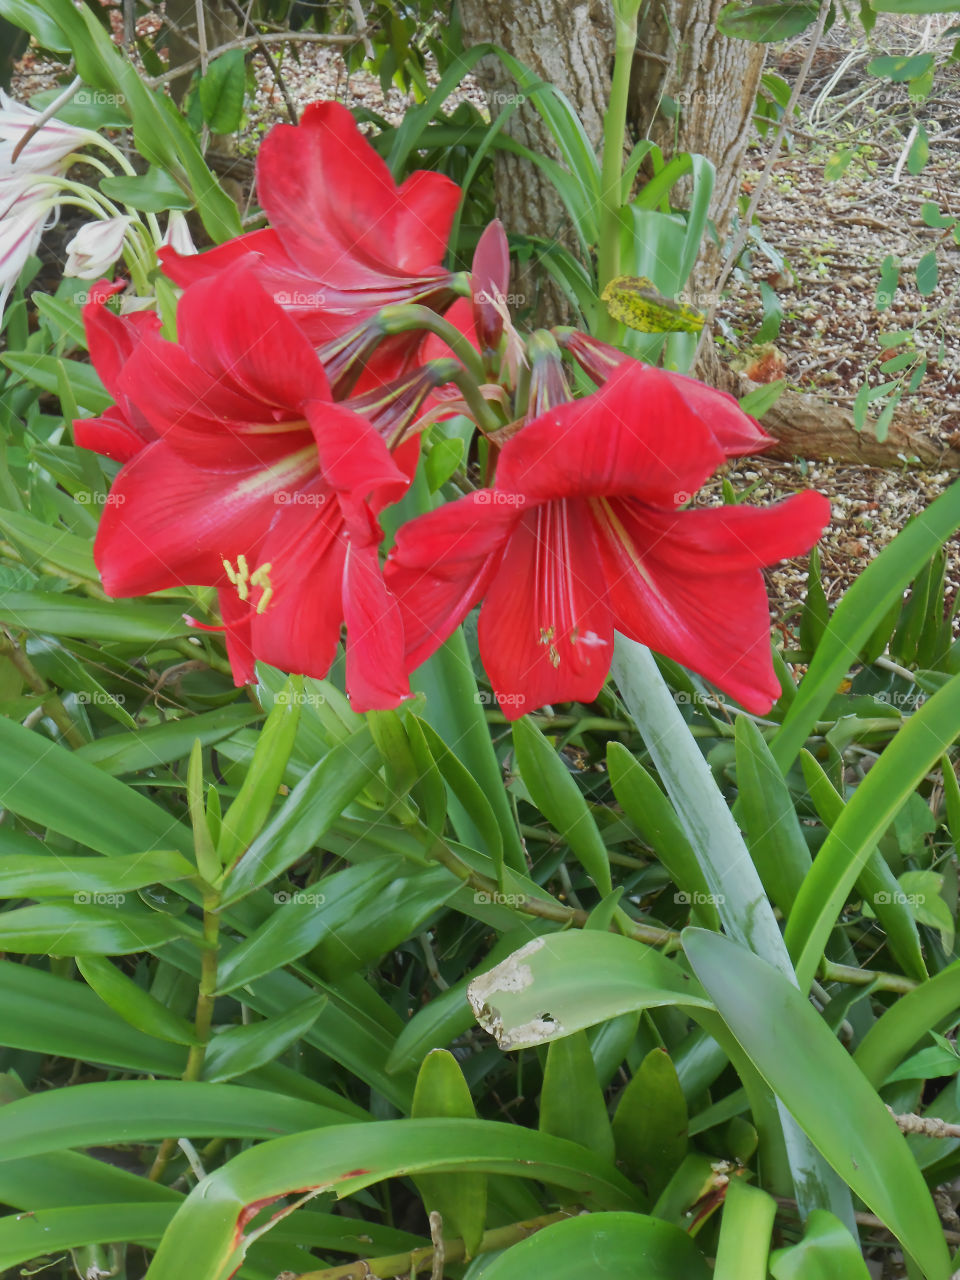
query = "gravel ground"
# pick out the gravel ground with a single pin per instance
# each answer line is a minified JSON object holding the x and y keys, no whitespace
{"x":828,"y":236}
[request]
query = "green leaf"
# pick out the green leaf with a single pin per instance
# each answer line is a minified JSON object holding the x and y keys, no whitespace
{"x":124,"y":1111}
{"x":771,"y":826}
{"x":765,"y":23}
{"x":238,"y":1050}
{"x":826,"y":1252}
{"x":816,"y":612}
{"x":247,"y":814}
{"x":53,"y":544}
{"x":221,"y":92}
{"x":650,"y":1124}
{"x":864,"y":606}
{"x":460,"y":1198}
{"x":762,"y":399}
{"x":557,"y":796}
{"x":92,"y":808}
{"x":918,"y":745}
{"x":207,"y":1236}
{"x":44,"y":28}
{"x":919,"y":152}
{"x":561,"y":983}
{"x":444,"y":457}
{"x":899,"y":70}
{"x":45,"y":874}
{"x":84,"y":925}
{"x":929,"y":1006}
{"x":133,"y":1003}
{"x":876,"y":881}
{"x":154,"y":191}
{"x":571,"y":1103}
{"x":45,"y":372}
{"x":652,"y":813}
{"x":927,"y":273}
{"x":915,"y":6}
{"x":135,"y":622}
{"x":745,"y":1229}
{"x":801,"y":1060}
{"x":312,"y":807}
{"x":27,"y":1236}
{"x":619,"y":1246}
{"x":45,"y":1014}
{"x":158,"y":744}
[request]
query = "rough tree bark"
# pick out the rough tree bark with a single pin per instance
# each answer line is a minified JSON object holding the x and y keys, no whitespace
{"x":680,"y":53}
{"x":713,"y":81}
{"x":570,"y":46}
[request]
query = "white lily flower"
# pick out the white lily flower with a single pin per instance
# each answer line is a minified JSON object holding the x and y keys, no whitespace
{"x":177,"y":234}
{"x":48,"y":151}
{"x":95,"y":247}
{"x":20,"y":230}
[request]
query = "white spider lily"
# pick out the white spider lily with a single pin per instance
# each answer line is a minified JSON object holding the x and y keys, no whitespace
{"x":48,"y":151}
{"x":95,"y":247}
{"x":177,"y":234}
{"x":21,"y":227}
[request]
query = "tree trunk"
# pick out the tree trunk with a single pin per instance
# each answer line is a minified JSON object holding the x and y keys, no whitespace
{"x":712,"y":82}
{"x":571,"y":47}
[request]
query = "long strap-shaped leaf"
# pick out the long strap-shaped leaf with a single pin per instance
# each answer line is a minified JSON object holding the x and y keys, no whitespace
{"x":742,"y":904}
{"x":855,"y":618}
{"x":207,"y":1237}
{"x":918,"y":745}
{"x":804,"y":1063}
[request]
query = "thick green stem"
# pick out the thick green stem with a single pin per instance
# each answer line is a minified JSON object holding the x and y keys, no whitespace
{"x":50,"y":699}
{"x":203,"y":1017}
{"x":398,"y":1264}
{"x":611,"y":173}
{"x":403,"y":317}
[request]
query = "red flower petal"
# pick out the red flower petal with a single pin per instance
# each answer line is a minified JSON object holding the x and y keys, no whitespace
{"x":376,"y":672}
{"x":688,"y":584}
{"x":442,"y":563}
{"x":336,"y":207}
{"x":427,"y":204}
{"x":353,"y":457}
{"x":735,"y":432}
{"x":635,"y":435}
{"x":545,"y":630}
{"x":170,"y":523}
{"x":235,"y":331}
{"x":111,"y":435}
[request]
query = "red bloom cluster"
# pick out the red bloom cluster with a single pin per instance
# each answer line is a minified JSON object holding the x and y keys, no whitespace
{"x":245,"y":469}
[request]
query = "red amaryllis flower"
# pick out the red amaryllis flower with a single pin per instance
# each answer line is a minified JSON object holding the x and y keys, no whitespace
{"x":735,"y":432}
{"x":582,"y":535}
{"x":258,"y":485}
{"x":345,"y":240}
{"x":122,"y":430}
